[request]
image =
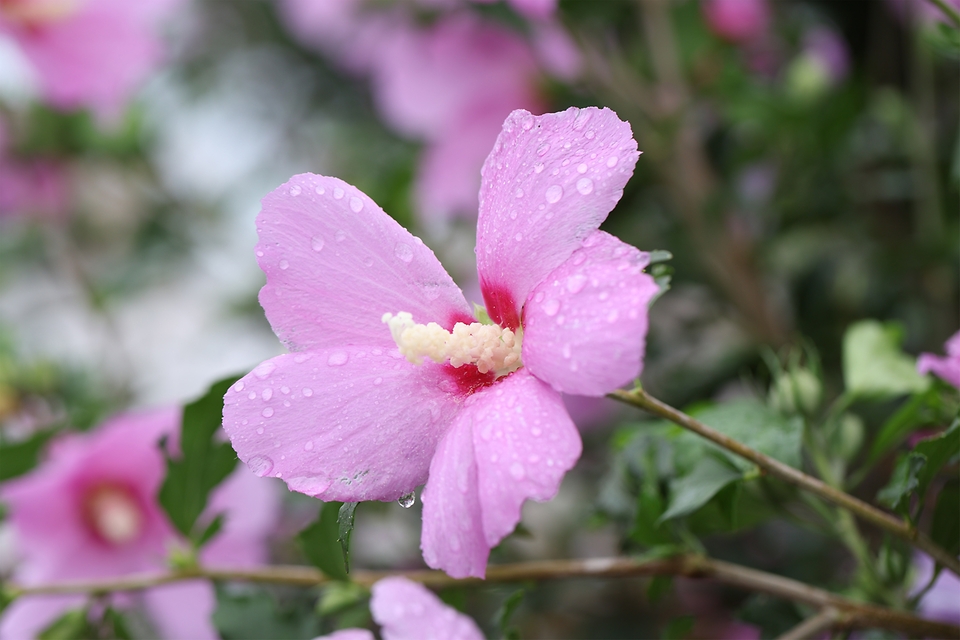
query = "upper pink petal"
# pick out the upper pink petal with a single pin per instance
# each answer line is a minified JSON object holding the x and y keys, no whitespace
{"x":183,"y":610}
{"x":952,"y":346}
{"x":335,"y":263}
{"x":548,"y":184}
{"x":407,"y":610}
{"x":737,"y":20}
{"x":453,"y":538}
{"x":512,"y":441}
{"x":946,"y":368}
{"x":524,"y":442}
{"x":585,"y":325}
{"x":351,"y":423}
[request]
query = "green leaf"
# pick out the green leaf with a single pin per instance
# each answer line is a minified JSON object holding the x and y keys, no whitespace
{"x":211,"y":530}
{"x":945,"y":528}
{"x":338,"y":596}
{"x":938,"y":450}
{"x":659,"y":587}
{"x":345,"y":529}
{"x":678,"y":628}
{"x":903,"y":482}
{"x":73,"y":625}
{"x":660,"y":255}
{"x":690,"y":492}
{"x":16,"y":458}
{"x":907,"y":418}
{"x":320,"y":544}
{"x":204,"y":462}
{"x":506,"y":611}
{"x":255,"y":614}
{"x":873,"y":364}
{"x":757,"y":426}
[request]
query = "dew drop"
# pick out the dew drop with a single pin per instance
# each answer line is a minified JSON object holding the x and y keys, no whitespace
{"x":338,"y":193}
{"x":307,"y":392}
{"x":264,"y":369}
{"x":518,"y":237}
{"x":551,"y":307}
{"x":612,"y":161}
{"x":554,"y":193}
{"x":517,"y":471}
{"x":267,"y":394}
{"x":536,"y":431}
{"x":337,"y":358}
{"x":585,"y":186}
{"x":317,"y":243}
{"x":538,"y":297}
{"x":538,"y":168}
{"x":582,"y":167}
{"x":239,"y":386}
{"x":589,"y":135}
{"x":284,"y":390}
{"x":295,"y":190}
{"x":308,"y":446}
{"x":284,"y":265}
{"x":266,"y":413}
{"x":340,"y":236}
{"x":612,"y":316}
{"x":407,"y":500}
{"x":518,"y":193}
{"x":356,"y":204}
{"x":259,"y":253}
{"x":252,"y":395}
{"x":259,"y":431}
{"x":403,"y":252}
{"x":566,"y":351}
{"x":260,"y":465}
{"x":320,"y":190}
{"x":542,"y":149}
{"x":377,"y":381}
{"x":576,"y":282}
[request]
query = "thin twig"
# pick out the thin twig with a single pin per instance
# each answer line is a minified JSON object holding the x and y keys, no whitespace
{"x":812,"y":627}
{"x":641,"y":399}
{"x":851,"y":614}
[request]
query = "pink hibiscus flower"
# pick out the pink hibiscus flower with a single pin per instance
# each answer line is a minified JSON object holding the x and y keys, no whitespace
{"x":407,"y":610}
{"x":947,"y":368}
{"x":89,"y":511}
{"x":87,"y":53}
{"x":737,"y":20}
{"x":474,"y":410}
{"x":31,"y":187}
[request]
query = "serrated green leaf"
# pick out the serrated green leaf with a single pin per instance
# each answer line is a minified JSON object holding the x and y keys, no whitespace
{"x":204,"y":462}
{"x":320,"y":544}
{"x":945,"y":527}
{"x":73,"y":625}
{"x":903,"y":481}
{"x":689,"y":493}
{"x":873,"y":364}
{"x":16,"y":458}
{"x":757,"y":426}
{"x":345,"y":518}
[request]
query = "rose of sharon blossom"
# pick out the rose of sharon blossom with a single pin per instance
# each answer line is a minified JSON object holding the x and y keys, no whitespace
{"x":87,"y":53}
{"x":392,"y":381}
{"x":737,"y":20}
{"x":90,"y":512}
{"x":946,"y":368}
{"x":407,"y":610}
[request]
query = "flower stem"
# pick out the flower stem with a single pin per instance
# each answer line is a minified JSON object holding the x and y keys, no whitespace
{"x":863,"y":510}
{"x":849,"y":613}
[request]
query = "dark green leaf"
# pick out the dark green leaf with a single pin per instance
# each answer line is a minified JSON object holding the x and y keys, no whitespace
{"x":338,"y":596}
{"x":16,"y":458}
{"x":507,"y":609}
{"x":345,"y":529}
{"x":678,"y":628}
{"x":874,"y":365}
{"x":211,"y":530}
{"x":659,"y":587}
{"x":255,"y":615}
{"x":320,"y":544}
{"x":907,"y":418}
{"x":689,"y":493}
{"x":758,"y":427}
{"x":204,"y":461}
{"x":115,"y":625}
{"x":73,"y":625}
{"x":903,"y":482}
{"x":945,"y":528}
{"x":938,"y":450}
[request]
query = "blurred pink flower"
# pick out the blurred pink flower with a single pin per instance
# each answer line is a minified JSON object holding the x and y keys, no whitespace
{"x":827,"y":49}
{"x":533,"y":9}
{"x":87,"y":53}
{"x":89,"y":511}
{"x":407,"y":610}
{"x":926,"y":12}
{"x":737,"y":20}
{"x":948,"y":367}
{"x":30,"y":187}
{"x":940,"y":602}
{"x":346,"y":417}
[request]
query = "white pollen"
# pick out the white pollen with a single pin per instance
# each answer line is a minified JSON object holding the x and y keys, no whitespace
{"x":488,"y":346}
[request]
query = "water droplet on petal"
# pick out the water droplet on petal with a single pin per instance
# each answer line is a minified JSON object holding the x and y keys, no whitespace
{"x":308,"y":446}
{"x":260,"y":465}
{"x":295,"y":190}
{"x":538,"y":168}
{"x":517,"y":471}
{"x":259,"y":431}
{"x":612,"y":161}
{"x":612,"y":316}
{"x":551,"y":306}
{"x":554,"y":193}
{"x":264,"y":369}
{"x":407,"y":500}
{"x":284,"y":264}
{"x":377,"y":381}
{"x":518,"y":193}
{"x":320,"y":190}
{"x":542,"y":149}
{"x":284,"y":390}
{"x":239,"y":386}
{"x":585,"y":186}
{"x":252,"y":395}
{"x":266,"y":413}
{"x":338,"y":193}
{"x":307,"y":392}
{"x":403,"y":252}
{"x":576,"y":282}
{"x":566,"y":351}
{"x":356,"y":204}
{"x":536,"y":431}
{"x":317,"y":243}
{"x":340,"y":236}
{"x":267,"y":394}
{"x":518,"y":237}
{"x":582,"y":168}
{"x":589,"y":135}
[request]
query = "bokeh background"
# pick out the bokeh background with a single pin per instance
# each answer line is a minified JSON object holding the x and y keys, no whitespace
{"x":801,"y":163}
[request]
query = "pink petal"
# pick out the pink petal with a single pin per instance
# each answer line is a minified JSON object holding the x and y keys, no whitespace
{"x":737,"y":20}
{"x":27,"y":617}
{"x":584,"y":326}
{"x":348,"y":634}
{"x":251,"y":507}
{"x":335,"y":263}
{"x":512,"y":441}
{"x":548,"y":184}
{"x":952,"y":346}
{"x":524,"y":442}
{"x":183,"y":610}
{"x":946,"y":368}
{"x":409,"y":611}
{"x":352,"y":423}
{"x":452,"y":537}
{"x":535,"y":9}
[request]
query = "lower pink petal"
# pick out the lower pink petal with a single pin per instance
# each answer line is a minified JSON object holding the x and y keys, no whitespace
{"x":409,"y":611}
{"x":585,"y":325}
{"x":28,"y":616}
{"x":352,"y":423}
{"x":524,"y":442}
{"x":183,"y":610}
{"x":452,"y":537}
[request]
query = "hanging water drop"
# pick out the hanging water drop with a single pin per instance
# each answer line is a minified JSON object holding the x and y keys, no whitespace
{"x":407,"y":500}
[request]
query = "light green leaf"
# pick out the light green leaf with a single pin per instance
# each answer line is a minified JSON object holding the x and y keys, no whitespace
{"x":690,"y":492}
{"x":757,"y":426}
{"x":874,"y":365}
